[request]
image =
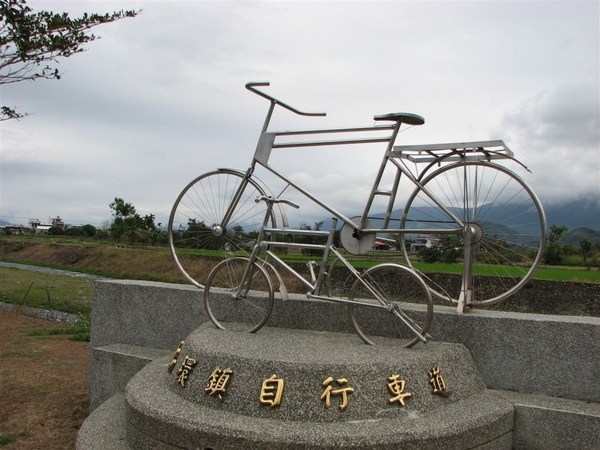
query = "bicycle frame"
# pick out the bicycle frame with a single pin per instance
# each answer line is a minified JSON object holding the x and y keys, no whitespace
{"x":488,"y":150}
{"x":316,"y":283}
{"x":358,"y":233}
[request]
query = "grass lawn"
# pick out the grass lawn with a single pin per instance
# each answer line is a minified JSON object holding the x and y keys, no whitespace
{"x":48,"y":291}
{"x":573,"y":274}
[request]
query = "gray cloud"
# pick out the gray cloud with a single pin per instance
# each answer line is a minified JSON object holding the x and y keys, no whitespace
{"x":559,"y":134}
{"x":160,"y":98}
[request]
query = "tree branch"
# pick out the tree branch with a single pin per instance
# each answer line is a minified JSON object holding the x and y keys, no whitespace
{"x":31,"y":41}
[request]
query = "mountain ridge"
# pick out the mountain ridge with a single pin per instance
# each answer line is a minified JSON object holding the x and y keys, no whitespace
{"x":581,"y":217}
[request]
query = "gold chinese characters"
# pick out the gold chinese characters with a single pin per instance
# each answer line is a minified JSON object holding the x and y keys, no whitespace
{"x":396,"y":388}
{"x":184,"y":371}
{"x":334,"y":390}
{"x":175,"y":357}
{"x":217,"y":382}
{"x":329,"y":391}
{"x":438,"y":383}
{"x":271,"y":391}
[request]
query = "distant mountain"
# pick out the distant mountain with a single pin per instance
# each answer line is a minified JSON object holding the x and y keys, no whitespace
{"x":576,"y":235}
{"x":578,"y":214}
{"x":584,"y":213}
{"x":4,"y":222}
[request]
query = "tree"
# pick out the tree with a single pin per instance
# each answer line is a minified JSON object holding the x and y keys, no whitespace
{"x":447,"y":251}
{"x":127,"y":222}
{"x":125,"y":218}
{"x":586,"y":249}
{"x":32,"y":42}
{"x":307,"y":239}
{"x":85,"y":230}
{"x":554,"y":251}
{"x":89,"y":230}
{"x":55,"y":231}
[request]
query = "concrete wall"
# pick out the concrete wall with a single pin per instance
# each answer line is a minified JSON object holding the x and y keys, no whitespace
{"x":546,"y":365}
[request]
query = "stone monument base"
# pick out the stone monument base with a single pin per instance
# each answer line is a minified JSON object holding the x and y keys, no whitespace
{"x":299,"y":389}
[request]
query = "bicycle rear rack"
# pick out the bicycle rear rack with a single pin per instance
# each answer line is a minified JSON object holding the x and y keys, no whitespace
{"x":431,"y":154}
{"x":453,"y":152}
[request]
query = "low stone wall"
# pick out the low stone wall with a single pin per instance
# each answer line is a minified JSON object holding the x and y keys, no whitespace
{"x":545,"y":365}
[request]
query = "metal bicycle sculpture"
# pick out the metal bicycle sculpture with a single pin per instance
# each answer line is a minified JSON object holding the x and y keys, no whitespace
{"x":464,"y":208}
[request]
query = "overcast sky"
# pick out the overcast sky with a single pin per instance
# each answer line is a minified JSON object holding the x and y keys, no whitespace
{"x":160,"y":98}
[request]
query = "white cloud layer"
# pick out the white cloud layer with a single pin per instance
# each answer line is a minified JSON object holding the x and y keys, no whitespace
{"x":160,"y":99}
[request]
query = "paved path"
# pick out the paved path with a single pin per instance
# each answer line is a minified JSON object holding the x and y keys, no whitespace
{"x":50,"y":270}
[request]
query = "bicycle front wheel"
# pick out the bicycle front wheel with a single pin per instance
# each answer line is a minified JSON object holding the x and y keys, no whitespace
{"x":235,"y":302}
{"x":395,"y":302}
{"x":506,"y":226}
{"x":198,"y":236}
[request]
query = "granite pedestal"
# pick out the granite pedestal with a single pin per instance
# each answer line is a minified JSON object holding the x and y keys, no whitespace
{"x":162,"y":410}
{"x":544,"y":366}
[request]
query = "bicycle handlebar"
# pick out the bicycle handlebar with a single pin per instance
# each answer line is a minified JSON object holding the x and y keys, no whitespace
{"x":252,"y":87}
{"x":275,"y":200}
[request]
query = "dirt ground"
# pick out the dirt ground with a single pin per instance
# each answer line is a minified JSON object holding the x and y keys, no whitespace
{"x":43,"y":385}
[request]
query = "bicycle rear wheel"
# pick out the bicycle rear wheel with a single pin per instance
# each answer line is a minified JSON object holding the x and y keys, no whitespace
{"x":339,"y":280}
{"x":235,"y":303}
{"x":409,"y":308}
{"x":198,"y":238}
{"x":507,"y":225}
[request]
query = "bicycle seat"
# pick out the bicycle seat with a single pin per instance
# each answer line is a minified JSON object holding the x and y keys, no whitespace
{"x":408,"y":118}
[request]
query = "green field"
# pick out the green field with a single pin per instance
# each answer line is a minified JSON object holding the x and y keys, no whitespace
{"x":47,"y":291}
{"x":574,"y":274}
{"x":74,"y":294}
{"x":554,"y":273}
